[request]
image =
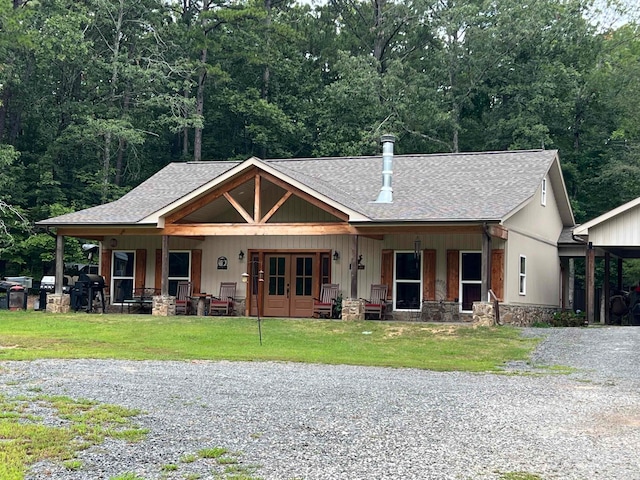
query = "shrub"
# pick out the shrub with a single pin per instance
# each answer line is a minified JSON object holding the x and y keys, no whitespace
{"x":568,"y":318}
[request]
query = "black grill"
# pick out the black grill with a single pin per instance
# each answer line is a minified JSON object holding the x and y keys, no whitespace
{"x":88,"y":288}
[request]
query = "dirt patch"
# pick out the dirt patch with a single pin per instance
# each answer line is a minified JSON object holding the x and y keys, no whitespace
{"x":613,"y":424}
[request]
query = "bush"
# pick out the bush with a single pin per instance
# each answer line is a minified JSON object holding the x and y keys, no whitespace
{"x":568,"y":318}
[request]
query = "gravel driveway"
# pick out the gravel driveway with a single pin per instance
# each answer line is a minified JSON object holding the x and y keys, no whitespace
{"x":293,"y":421}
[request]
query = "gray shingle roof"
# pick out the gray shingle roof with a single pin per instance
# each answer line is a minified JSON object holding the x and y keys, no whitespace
{"x":440,"y":187}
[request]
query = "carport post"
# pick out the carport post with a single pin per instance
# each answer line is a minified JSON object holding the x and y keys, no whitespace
{"x":590,"y":282}
{"x":606,"y":286}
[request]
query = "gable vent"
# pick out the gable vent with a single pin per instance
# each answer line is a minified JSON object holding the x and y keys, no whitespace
{"x":386,"y":192}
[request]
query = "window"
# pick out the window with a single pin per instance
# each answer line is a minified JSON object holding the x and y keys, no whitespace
{"x":123,"y":274}
{"x":179,"y":269}
{"x":523,"y":275}
{"x":470,"y":279}
{"x":543,"y":192}
{"x":325,"y":268}
{"x":407,"y":281}
{"x":277,"y":275}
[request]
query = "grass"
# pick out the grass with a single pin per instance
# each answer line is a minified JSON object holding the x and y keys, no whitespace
{"x":441,"y":347}
{"x":24,"y":441}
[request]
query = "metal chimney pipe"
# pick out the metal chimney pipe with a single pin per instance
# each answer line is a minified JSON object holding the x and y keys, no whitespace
{"x":386,"y":192}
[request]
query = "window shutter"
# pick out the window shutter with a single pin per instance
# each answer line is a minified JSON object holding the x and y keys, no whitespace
{"x":428,"y":274}
{"x":386,"y":270}
{"x":105,"y":267}
{"x":158,"y":276}
{"x":497,"y":273}
{"x":196,"y":270}
{"x":453,"y":274}
{"x":141,"y":269}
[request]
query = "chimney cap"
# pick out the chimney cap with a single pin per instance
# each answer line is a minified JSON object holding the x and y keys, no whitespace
{"x":388,"y":137}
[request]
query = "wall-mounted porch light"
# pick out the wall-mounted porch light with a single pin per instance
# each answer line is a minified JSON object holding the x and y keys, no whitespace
{"x":417,"y":246}
{"x":241,"y":255}
{"x":336,"y":256}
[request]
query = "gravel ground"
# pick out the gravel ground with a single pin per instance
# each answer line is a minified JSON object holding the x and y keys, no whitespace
{"x":312,"y":422}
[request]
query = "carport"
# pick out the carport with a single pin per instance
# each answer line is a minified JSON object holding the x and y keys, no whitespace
{"x":614,"y":235}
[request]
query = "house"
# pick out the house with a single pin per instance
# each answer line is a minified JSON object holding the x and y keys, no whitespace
{"x":441,"y":230}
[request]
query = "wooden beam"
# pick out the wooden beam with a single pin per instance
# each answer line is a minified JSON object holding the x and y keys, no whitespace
{"x":98,"y":233}
{"x":164,"y":282}
{"x":305,"y":196}
{"x":199,"y":231}
{"x":498,"y":231}
{"x":354,"y":267}
{"x":275,"y":208}
{"x":365,"y":230}
{"x":210,"y":197}
{"x":59,"y":265}
{"x":216,"y":229}
{"x":606,"y":287}
{"x":257,"y":207}
{"x":239,"y":208}
{"x":590,"y":283}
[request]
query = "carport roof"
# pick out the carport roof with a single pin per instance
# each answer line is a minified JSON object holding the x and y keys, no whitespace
{"x":456,"y":187}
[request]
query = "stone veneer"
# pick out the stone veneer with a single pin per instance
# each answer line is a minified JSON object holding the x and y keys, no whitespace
{"x":164,"y":306}
{"x":352,"y":309}
{"x":516,"y":315}
{"x":58,"y":303}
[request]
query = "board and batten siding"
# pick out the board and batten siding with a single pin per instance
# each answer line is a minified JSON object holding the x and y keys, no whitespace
{"x":619,"y":231}
{"x":371,"y":250}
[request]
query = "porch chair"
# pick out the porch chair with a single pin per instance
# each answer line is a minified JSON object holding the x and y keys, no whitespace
{"x":224,"y":304}
{"x":377,"y":301}
{"x":183,"y":298}
{"x":323,"y":306}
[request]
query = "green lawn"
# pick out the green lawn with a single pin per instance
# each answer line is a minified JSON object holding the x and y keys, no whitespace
{"x":30,"y":335}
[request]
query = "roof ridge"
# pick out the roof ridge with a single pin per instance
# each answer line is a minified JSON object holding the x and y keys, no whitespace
{"x":408,"y":155}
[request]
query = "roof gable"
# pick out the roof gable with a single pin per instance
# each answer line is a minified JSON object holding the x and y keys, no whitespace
{"x":583,"y":229}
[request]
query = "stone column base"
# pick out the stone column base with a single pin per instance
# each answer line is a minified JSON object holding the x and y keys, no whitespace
{"x":352,"y":309}
{"x":483,"y":314}
{"x":164,"y":306}
{"x":58,"y":303}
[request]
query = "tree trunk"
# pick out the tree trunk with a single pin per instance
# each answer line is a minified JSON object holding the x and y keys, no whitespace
{"x":106,"y":165}
{"x":185,"y":130}
{"x":197,"y":140}
{"x":106,"y":161}
{"x":3,"y":110}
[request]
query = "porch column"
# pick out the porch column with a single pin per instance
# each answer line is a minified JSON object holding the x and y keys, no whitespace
{"x":164,"y":281}
{"x":485,"y":274}
{"x":59,"y":264}
{"x":354,"y":266}
{"x":590,"y":283}
{"x":605,"y":287}
{"x":572,"y":283}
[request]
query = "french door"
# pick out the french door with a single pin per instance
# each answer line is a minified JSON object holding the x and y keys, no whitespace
{"x":288,"y":285}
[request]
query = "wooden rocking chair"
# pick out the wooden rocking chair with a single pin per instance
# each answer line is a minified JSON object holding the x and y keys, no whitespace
{"x":377,"y":301}
{"x":183,"y":298}
{"x":323,"y":306}
{"x":224,"y":304}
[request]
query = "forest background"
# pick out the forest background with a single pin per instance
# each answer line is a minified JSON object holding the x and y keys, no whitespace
{"x":97,"y":95}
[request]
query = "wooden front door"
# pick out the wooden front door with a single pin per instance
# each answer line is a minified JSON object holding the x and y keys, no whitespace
{"x":288,"y":289}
